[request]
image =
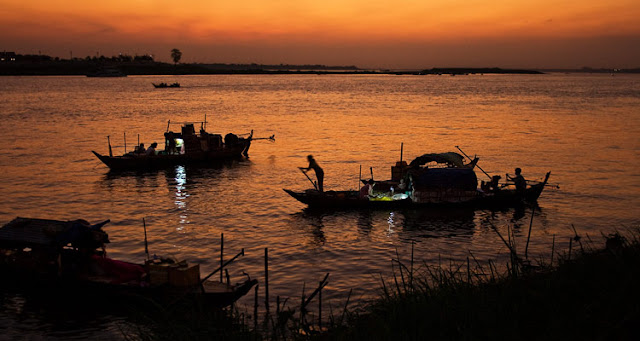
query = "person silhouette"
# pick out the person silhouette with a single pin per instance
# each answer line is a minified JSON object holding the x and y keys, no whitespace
{"x":519,"y":181}
{"x":316,"y":168}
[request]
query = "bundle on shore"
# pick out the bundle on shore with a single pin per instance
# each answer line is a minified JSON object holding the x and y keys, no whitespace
{"x":591,"y":295}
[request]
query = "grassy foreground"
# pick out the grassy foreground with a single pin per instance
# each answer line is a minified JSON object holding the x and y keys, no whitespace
{"x":585,"y":292}
{"x":594,"y":296}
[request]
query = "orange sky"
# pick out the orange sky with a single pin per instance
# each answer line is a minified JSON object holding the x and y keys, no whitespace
{"x":371,"y":33}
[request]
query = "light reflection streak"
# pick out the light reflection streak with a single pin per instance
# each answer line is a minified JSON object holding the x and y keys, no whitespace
{"x":181,"y":196}
{"x":391,"y":223}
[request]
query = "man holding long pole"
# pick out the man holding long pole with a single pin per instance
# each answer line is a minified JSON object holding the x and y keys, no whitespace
{"x":316,"y":168}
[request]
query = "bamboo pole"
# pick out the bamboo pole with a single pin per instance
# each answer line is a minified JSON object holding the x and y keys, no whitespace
{"x":266,"y":278}
{"x":109,"y":143}
{"x":411,"y":271}
{"x":241,"y":253}
{"x":465,"y":154}
{"x":221,"y":254}
{"x":553,"y":246}
{"x":255,"y":309}
{"x":526,"y":248}
{"x":146,"y":246}
{"x":320,"y":306}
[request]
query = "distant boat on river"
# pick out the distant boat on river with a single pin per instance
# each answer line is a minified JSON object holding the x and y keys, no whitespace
{"x":186,"y":147}
{"x":107,"y":72}
{"x":165,"y":85}
{"x":431,"y":180}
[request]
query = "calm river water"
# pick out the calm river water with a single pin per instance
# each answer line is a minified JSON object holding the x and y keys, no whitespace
{"x":585,"y":129}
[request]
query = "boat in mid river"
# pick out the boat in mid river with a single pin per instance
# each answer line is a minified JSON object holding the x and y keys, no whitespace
{"x":69,"y":258}
{"x":165,"y":85}
{"x":186,"y":147}
{"x":431,"y":180}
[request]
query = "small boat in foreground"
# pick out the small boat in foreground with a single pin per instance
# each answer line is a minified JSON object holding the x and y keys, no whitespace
{"x":70,"y":257}
{"x":431,"y":180}
{"x":186,"y":147}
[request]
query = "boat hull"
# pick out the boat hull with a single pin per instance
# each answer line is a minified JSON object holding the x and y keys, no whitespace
{"x":139,"y":162}
{"x":345,"y":200}
{"x":214,"y":295}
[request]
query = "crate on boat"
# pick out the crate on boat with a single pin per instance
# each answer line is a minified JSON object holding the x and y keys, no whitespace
{"x":184,"y":275}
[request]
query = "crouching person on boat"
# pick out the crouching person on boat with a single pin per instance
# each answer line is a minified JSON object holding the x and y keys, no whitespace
{"x":367,"y":190}
{"x":140,"y":149}
{"x":151,"y":151}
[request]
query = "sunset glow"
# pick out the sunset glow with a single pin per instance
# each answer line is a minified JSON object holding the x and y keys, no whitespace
{"x":355,"y":32}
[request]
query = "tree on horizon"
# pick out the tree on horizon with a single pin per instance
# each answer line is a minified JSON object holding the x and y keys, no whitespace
{"x":176,"y":55}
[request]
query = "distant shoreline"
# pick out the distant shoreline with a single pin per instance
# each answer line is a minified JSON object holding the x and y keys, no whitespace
{"x":84,"y":68}
{"x":81,"y":68}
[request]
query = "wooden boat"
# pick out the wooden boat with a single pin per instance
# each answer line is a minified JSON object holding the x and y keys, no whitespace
{"x":69,"y":257}
{"x":165,"y":85}
{"x":431,"y":180}
{"x":186,"y":147}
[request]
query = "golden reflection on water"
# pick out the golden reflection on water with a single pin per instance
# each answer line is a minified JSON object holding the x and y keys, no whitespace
{"x":582,"y":128}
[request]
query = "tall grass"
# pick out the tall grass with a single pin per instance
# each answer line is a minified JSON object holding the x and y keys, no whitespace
{"x":590,"y":293}
{"x":583,"y":292}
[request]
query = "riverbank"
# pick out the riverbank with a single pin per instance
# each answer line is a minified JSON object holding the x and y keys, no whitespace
{"x":51,"y":67}
{"x":580,"y":293}
{"x":593,"y":296}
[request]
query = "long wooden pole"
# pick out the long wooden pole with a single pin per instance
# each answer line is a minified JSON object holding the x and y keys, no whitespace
{"x":255,"y":308}
{"x":125,"y":142}
{"x":526,"y":248}
{"x":109,"y":143}
{"x":307,"y":175}
{"x":221,"y":254}
{"x":266,"y":279}
{"x":470,"y":159}
{"x":241,"y":253}
{"x":320,"y":307}
{"x":146,"y":245}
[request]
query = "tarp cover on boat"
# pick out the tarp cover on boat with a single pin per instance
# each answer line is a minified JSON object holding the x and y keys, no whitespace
{"x":451,"y":158}
{"x":445,"y":178}
{"x":45,"y":232}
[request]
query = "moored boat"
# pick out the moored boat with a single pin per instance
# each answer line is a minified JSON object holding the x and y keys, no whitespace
{"x":186,"y":147}
{"x":431,"y":180}
{"x":70,"y":257}
{"x":107,"y":72}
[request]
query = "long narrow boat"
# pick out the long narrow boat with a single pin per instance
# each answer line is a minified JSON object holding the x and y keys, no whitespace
{"x":69,"y":258}
{"x":186,"y":147}
{"x":165,"y":85}
{"x":446,"y":182}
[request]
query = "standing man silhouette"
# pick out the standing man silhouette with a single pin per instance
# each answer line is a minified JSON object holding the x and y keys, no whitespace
{"x":316,"y":168}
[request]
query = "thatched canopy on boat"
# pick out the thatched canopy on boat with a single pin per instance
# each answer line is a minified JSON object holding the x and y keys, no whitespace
{"x":452,"y":159}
